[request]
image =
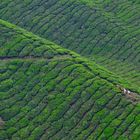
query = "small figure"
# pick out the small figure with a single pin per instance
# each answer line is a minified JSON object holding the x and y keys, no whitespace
{"x":124,"y":91}
{"x":128,"y":92}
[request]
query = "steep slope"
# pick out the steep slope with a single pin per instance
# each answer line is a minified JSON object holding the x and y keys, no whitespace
{"x":100,"y":30}
{"x":48,"y":92}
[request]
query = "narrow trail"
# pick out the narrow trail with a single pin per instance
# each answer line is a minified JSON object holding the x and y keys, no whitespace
{"x":132,"y":96}
{"x":58,"y":57}
{"x":1,"y":123}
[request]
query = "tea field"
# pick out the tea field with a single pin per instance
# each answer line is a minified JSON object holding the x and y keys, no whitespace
{"x":69,"y":70}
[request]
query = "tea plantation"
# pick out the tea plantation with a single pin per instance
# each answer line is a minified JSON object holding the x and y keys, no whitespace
{"x":106,"y":31}
{"x":69,"y":70}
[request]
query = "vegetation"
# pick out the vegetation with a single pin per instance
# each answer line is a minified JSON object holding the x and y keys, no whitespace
{"x":101,"y":30}
{"x":72,"y":92}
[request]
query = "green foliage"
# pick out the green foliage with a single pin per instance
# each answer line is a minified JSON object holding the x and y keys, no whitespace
{"x":48,"y":92}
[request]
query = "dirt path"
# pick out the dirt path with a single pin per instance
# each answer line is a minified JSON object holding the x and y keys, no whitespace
{"x":1,"y":123}
{"x":132,"y":96}
{"x":58,"y":57}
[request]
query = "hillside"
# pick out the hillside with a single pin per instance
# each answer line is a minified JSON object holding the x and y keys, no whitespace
{"x":48,"y":92}
{"x":69,"y":70}
{"x":102,"y":31}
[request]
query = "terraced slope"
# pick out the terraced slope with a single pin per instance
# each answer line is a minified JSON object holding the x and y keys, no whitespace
{"x":48,"y":92}
{"x":101,"y":30}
